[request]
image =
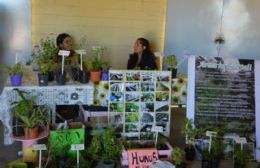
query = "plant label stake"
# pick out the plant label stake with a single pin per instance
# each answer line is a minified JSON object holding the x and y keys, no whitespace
{"x":81,"y":53}
{"x":63,"y":53}
{"x":40,"y":147}
{"x":77,"y":147}
{"x":242,"y":141}
{"x":157,"y":129}
{"x":210,"y":134}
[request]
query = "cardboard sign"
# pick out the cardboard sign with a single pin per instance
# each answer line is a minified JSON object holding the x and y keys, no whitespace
{"x":142,"y":158}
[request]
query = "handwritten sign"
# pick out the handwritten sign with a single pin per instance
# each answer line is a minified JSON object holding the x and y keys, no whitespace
{"x":64,"y":53}
{"x":157,"y":129}
{"x":241,"y":140}
{"x":211,"y":133}
{"x":142,"y":158}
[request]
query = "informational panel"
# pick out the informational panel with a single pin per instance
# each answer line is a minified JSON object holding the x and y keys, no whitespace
{"x":222,"y":94}
{"x":138,"y":100}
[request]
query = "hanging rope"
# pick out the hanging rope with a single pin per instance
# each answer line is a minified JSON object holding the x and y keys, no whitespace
{"x":220,"y":39}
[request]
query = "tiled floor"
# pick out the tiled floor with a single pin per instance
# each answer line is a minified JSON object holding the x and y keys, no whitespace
{"x":10,"y":152}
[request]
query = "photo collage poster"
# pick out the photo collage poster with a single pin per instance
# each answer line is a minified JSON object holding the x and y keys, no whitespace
{"x":225,"y":95}
{"x":138,"y":100}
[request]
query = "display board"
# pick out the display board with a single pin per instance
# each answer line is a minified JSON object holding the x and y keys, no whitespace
{"x":138,"y":100}
{"x":224,"y":94}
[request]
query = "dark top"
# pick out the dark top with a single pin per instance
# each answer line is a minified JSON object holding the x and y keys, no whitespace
{"x":147,"y":62}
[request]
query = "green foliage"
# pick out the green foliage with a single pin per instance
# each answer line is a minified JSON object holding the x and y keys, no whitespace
{"x":241,"y":156}
{"x":177,"y":155}
{"x":171,"y":61}
{"x":86,"y":64}
{"x":188,"y":131}
{"x":47,"y":55}
{"x":105,"y":146}
{"x":16,"y":69}
{"x":29,"y":115}
{"x":97,"y":53}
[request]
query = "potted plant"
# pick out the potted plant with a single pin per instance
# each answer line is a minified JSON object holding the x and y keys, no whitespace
{"x":46,"y":55}
{"x":95,"y":72}
{"x":74,"y":71}
{"x":189,"y":132}
{"x":171,"y":64}
{"x":84,"y":74}
{"x":46,"y":67}
{"x":30,"y":116}
{"x":106,"y":148}
{"x":15,"y":72}
{"x":241,"y":157}
{"x":105,"y":68}
{"x":177,"y":157}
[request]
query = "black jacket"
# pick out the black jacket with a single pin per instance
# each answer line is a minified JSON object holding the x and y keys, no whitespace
{"x":147,"y":62}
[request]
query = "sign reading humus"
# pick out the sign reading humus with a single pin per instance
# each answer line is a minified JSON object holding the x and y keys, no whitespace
{"x":225,"y":95}
{"x":142,"y":158}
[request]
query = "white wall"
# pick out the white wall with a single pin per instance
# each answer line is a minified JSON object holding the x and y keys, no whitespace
{"x":192,"y":26}
{"x":15,"y":32}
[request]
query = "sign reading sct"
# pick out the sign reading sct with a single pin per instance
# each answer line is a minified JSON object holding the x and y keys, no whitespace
{"x":141,"y":158}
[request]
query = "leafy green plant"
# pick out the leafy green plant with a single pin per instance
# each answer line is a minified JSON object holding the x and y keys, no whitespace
{"x":241,"y":157}
{"x":105,"y":146}
{"x":188,"y":131}
{"x":171,"y":61}
{"x":16,"y":69}
{"x":30,"y":116}
{"x":177,"y":155}
{"x":47,"y":55}
{"x":97,"y":53}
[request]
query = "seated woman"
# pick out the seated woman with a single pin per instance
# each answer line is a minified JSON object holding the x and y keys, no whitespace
{"x":64,"y":42}
{"x":142,"y":57}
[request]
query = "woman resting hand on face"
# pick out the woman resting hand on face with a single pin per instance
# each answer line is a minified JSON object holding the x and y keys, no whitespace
{"x":142,"y":58}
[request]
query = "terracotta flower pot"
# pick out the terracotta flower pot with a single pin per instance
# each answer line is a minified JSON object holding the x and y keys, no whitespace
{"x":95,"y":76}
{"x":31,"y":133}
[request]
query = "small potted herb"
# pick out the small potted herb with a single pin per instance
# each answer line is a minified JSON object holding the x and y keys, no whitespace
{"x":177,"y":157}
{"x":95,"y":72}
{"x":189,"y":133}
{"x":15,"y":72}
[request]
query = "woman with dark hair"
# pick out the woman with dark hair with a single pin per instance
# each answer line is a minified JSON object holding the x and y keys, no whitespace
{"x":64,"y":42}
{"x":142,"y":57}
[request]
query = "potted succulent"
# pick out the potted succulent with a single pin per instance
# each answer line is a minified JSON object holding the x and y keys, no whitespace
{"x":189,"y":132}
{"x":30,"y":116}
{"x":95,"y":72}
{"x":177,"y":157}
{"x":171,"y":65}
{"x":16,"y":73}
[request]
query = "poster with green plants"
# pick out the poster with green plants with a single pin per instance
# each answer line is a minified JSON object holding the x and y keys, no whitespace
{"x":61,"y":141}
{"x":138,"y":100}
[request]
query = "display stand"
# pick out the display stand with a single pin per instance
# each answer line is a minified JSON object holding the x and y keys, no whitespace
{"x":29,"y":155}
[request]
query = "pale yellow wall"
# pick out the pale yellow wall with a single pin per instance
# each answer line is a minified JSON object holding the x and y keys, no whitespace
{"x":114,"y":24}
